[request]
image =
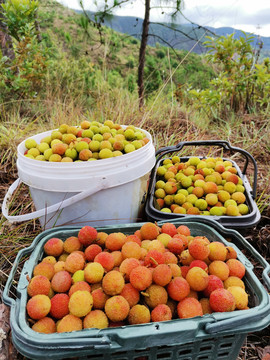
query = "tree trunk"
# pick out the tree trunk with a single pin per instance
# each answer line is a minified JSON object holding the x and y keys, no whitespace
{"x":5,"y":39}
{"x":144,"y":40}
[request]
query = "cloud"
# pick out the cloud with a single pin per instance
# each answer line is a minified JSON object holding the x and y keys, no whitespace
{"x":240,"y":14}
{"x":260,"y":17}
{"x":228,"y":16}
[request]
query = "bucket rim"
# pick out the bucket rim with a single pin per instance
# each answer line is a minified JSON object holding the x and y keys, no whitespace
{"x":21,"y":149}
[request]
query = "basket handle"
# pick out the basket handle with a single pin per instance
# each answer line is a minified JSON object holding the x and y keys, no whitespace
{"x":233,"y":323}
{"x":70,"y":342}
{"x":223,"y":143}
{"x":101,"y":184}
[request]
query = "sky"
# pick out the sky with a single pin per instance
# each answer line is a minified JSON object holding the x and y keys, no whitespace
{"x":247,"y":15}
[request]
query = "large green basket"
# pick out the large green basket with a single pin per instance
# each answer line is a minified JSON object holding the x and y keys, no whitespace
{"x":213,"y":336}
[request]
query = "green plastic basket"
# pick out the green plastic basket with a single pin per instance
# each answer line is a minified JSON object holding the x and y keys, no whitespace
{"x":213,"y":336}
{"x":240,"y":223}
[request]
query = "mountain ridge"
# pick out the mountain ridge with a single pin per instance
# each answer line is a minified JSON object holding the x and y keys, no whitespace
{"x":183,"y":37}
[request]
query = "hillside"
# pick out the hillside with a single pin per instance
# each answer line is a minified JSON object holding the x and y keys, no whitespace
{"x":69,"y":34}
{"x":182,"y":36}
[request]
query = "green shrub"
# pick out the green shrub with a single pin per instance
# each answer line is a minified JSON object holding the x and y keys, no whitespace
{"x":75,"y":50}
{"x":114,"y":79}
{"x":67,"y":37}
{"x":130,"y":62}
{"x":25,"y":74}
{"x":160,"y":54}
{"x":134,"y":41}
{"x":241,"y":85}
{"x":131,"y":83}
{"x":19,"y":15}
{"x":152,"y":75}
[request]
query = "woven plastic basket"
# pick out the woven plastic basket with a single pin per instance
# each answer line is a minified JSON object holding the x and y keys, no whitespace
{"x":213,"y":336}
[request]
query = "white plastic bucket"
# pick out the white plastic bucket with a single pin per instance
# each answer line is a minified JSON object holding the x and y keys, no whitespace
{"x":95,"y":193}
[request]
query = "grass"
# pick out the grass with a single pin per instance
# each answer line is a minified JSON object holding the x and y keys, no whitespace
{"x":168,"y":125}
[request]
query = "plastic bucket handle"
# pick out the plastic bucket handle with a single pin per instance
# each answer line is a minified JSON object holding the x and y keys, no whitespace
{"x":100,"y":185}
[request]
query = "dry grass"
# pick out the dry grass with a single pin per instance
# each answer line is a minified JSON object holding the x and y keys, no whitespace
{"x":168,"y":125}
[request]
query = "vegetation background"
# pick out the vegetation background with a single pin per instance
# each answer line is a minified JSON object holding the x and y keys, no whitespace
{"x":63,"y":69}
